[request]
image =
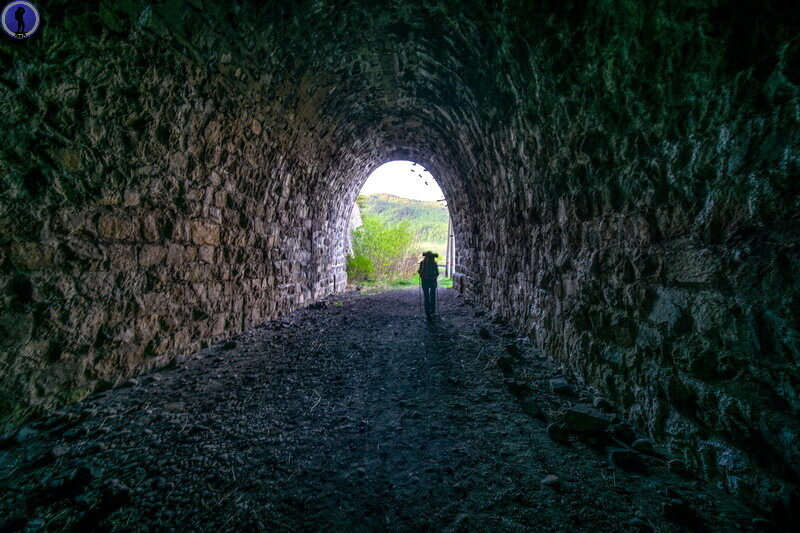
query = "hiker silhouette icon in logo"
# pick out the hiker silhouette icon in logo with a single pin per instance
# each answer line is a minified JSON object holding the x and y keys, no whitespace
{"x":20,"y":19}
{"x":19,"y":14}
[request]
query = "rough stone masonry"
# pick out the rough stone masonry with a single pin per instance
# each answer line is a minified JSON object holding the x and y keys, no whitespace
{"x":622,"y":178}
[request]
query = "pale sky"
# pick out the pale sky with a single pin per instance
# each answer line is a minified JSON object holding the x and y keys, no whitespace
{"x":403,"y":178}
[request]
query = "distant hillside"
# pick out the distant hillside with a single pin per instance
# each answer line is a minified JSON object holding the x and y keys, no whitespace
{"x":428,"y":219}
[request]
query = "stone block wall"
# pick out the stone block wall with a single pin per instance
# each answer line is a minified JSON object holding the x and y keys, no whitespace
{"x":150,"y":205}
{"x":644,"y":231}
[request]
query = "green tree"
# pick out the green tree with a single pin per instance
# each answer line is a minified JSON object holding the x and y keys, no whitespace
{"x":381,"y":250}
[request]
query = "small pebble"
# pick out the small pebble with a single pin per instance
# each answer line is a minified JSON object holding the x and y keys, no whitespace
{"x":557,"y":433}
{"x":560,"y":386}
{"x":602,"y":404}
{"x":132,"y":382}
{"x":763,"y":525}
{"x":677,"y":466}
{"x":643,"y":446}
{"x":623,"y":432}
{"x":623,"y":458}
{"x":115,"y":494}
{"x":59,"y":451}
{"x":551,"y":481}
{"x":641,"y":526}
{"x":36,"y":524}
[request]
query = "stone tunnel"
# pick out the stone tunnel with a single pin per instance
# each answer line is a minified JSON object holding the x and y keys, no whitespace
{"x":622,"y":176}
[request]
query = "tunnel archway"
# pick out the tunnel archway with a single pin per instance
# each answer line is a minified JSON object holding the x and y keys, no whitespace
{"x":404,"y":196}
{"x":345,"y":192}
{"x":620,"y":176}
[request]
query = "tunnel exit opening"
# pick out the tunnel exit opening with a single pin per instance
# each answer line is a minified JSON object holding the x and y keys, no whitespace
{"x":399,"y":213}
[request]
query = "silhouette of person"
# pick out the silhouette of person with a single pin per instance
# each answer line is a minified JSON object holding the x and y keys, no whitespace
{"x":19,"y":14}
{"x":428,"y":272}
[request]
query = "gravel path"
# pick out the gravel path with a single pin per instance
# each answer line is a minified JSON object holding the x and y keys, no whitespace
{"x":353,"y":415}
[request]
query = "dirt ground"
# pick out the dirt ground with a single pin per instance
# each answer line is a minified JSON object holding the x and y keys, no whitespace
{"x":353,"y":415}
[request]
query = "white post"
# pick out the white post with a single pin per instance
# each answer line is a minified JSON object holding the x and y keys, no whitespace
{"x":450,"y":253}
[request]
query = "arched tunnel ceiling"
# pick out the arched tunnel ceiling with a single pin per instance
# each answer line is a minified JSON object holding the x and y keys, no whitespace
{"x":622,"y":177}
{"x":392,"y":79}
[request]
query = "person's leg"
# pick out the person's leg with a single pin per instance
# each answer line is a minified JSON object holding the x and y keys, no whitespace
{"x":433,"y":299}
{"x":428,"y":308}
{"x":426,"y":290}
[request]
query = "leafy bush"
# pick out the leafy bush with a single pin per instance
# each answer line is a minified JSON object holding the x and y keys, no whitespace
{"x":381,"y":250}
{"x":360,"y":268}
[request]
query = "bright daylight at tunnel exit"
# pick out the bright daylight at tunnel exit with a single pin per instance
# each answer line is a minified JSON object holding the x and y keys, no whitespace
{"x":400,"y":224}
{"x":234,"y":297}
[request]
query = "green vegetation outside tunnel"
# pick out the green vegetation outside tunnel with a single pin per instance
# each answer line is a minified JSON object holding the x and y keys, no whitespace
{"x":393,"y":233}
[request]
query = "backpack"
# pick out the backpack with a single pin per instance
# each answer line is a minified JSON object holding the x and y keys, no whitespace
{"x":428,"y":270}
